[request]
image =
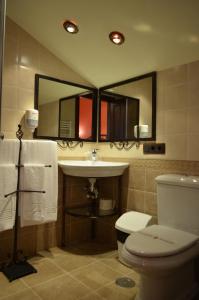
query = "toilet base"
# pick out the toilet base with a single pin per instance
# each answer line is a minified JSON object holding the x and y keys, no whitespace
{"x":180,"y":284}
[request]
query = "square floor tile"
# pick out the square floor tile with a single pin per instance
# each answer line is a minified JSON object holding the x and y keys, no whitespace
{"x":70,"y":261}
{"x":92,"y":296}
{"x":45,"y":270}
{"x":116,"y":265}
{"x":25,"y":295}
{"x":96,"y":275}
{"x":8,"y":288}
{"x":115,"y":292}
{"x":62,"y":288}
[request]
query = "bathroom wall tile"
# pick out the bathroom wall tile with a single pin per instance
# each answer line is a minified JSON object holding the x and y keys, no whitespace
{"x":193,"y":147}
{"x":176,"y":146}
{"x":193,"y":114}
{"x":151,"y":174}
{"x":48,"y":62}
{"x":28,"y":51}
{"x":175,"y":121}
{"x":26,"y":78}
{"x":176,"y":75}
{"x":123,"y":201}
{"x":135,"y":200}
{"x":10,"y":74}
{"x":193,"y":71}
{"x":25,"y":99}
{"x":175,"y":97}
{"x":9,"y":97}
{"x":137,"y":178}
{"x":160,"y":123}
{"x":150,"y":204}
{"x":160,"y":95}
{"x":12,"y":31}
{"x":10,"y":119}
{"x":193,"y":93}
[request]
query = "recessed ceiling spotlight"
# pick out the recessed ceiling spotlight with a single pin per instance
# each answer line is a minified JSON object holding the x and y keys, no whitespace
{"x":116,"y":37}
{"x":70,"y":26}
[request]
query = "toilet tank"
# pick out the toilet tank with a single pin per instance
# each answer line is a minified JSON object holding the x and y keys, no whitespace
{"x":178,"y":202}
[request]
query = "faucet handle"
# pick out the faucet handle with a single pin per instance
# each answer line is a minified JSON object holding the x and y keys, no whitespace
{"x":94,"y":151}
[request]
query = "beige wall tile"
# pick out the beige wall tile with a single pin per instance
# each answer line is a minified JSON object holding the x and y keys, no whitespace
{"x":176,"y":75}
{"x":193,"y":93}
{"x":151,"y":174}
{"x":135,"y":200}
{"x":176,"y":121}
{"x":176,"y":146}
{"x":193,"y":70}
{"x":137,"y":178}
{"x":150,"y":204}
{"x":175,"y":97}
{"x":25,"y":99}
{"x":9,"y":97}
{"x":193,"y":120}
{"x":193,"y":147}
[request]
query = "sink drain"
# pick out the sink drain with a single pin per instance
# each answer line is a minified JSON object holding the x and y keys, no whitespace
{"x":125,"y":282}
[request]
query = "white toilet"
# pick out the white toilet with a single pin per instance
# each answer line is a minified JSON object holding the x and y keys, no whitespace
{"x":164,"y":254}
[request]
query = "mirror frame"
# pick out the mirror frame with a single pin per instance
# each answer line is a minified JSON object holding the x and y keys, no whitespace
{"x":94,"y":110}
{"x":153,"y":75}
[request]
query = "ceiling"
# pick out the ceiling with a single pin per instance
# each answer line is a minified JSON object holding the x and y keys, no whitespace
{"x":159,"y":34}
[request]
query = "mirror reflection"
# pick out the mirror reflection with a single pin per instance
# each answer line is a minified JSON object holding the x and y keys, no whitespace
{"x":66,"y":110}
{"x":127,"y":109}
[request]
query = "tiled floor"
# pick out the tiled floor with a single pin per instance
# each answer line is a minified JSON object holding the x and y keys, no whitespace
{"x":71,"y":274}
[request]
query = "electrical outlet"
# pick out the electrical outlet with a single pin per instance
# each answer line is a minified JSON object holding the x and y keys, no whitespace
{"x":154,"y":148}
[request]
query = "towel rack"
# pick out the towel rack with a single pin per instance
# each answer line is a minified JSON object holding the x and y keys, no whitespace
{"x":18,"y":266}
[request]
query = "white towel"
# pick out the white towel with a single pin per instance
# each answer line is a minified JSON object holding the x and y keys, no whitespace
{"x":8,"y":184}
{"x":38,"y":208}
{"x":9,"y":151}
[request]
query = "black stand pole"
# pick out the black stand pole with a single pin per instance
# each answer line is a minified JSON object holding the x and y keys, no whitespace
{"x":18,"y":266}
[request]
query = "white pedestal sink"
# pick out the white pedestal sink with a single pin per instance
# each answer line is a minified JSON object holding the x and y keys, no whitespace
{"x":88,"y":168}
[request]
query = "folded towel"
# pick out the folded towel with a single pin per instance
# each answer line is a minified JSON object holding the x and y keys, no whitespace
{"x":9,"y":151}
{"x":8,"y":184}
{"x":39,"y":208}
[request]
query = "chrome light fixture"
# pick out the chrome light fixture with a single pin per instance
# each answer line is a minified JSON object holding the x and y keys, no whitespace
{"x":116,"y":37}
{"x":70,"y":26}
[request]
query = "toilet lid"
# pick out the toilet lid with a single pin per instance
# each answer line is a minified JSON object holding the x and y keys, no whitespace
{"x":158,"y":240}
{"x":132,"y":221}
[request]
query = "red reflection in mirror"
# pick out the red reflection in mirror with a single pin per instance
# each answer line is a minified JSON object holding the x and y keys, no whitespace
{"x":85,"y":118}
{"x":104,"y":120}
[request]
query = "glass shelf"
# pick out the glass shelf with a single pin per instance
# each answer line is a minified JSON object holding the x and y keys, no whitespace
{"x":89,"y":212}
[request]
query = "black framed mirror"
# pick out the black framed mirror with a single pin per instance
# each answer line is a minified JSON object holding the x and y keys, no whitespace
{"x":127,"y":110}
{"x":67,"y":111}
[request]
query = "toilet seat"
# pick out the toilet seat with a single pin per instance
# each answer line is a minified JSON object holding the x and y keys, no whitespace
{"x":159,"y":241}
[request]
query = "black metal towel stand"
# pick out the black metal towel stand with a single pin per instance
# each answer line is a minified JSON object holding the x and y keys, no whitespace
{"x":18,"y":266}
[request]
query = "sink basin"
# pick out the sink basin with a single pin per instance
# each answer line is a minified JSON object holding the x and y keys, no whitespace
{"x":87,"y":168}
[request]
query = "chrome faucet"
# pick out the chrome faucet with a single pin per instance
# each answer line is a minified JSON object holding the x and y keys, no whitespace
{"x":94,"y":154}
